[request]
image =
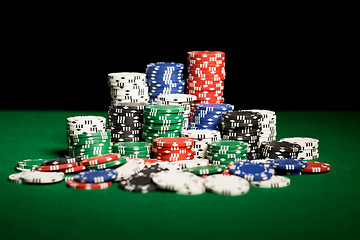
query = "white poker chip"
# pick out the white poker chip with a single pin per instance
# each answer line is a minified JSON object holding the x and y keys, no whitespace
{"x":37,"y":177}
{"x":227,"y":184}
{"x":273,"y":182}
{"x":131,"y":167}
{"x":192,"y":163}
{"x":180,"y":182}
{"x":16,"y":177}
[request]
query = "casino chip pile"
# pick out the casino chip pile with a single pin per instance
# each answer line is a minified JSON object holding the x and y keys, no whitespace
{"x":125,"y":122}
{"x":308,"y":147}
{"x":162,"y":121}
{"x":208,"y":115}
{"x":87,"y":136}
{"x":133,"y":149}
{"x":225,"y":152}
{"x":201,"y":139}
{"x":184,"y":100}
{"x":147,"y":145}
{"x":279,"y":149}
{"x":242,"y":126}
{"x":165,"y":78}
{"x":128,"y":87}
{"x":206,"y":75}
{"x":172,"y":149}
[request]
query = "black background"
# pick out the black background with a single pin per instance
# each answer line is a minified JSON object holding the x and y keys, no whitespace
{"x":288,"y":67}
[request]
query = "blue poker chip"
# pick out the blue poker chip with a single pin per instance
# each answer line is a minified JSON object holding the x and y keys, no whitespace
{"x":165,"y":88}
{"x":167,"y":85}
{"x":167,"y":65}
{"x":207,"y":113}
{"x":208,"y":118}
{"x":252,"y":171}
{"x":96,"y":176}
{"x":288,"y":163}
{"x":214,"y":106}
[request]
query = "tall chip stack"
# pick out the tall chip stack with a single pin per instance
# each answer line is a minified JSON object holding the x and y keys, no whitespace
{"x":184,"y":100}
{"x":165,"y":78}
{"x":243,"y":126}
{"x":162,"y":121}
{"x":206,"y":75}
{"x":126,"y":87}
{"x":125,"y":121}
{"x":87,"y":136}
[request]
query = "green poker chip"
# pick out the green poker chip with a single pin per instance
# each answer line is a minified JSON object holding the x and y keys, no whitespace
{"x":115,"y":163}
{"x":205,"y":170}
{"x":154,"y":109}
{"x":162,"y":128}
{"x":227,"y":144}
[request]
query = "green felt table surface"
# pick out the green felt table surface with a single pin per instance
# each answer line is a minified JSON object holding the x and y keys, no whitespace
{"x":312,"y":207}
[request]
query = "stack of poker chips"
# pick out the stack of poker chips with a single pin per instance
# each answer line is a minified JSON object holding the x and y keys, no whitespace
{"x":165,"y":78}
{"x":184,"y":100}
{"x":128,"y":87}
{"x":227,"y":151}
{"x":125,"y":121}
{"x":206,"y":75}
{"x":242,"y":126}
{"x":162,"y":121}
{"x":173,"y":149}
{"x":268,"y":125}
{"x":201,"y":139}
{"x":208,"y":115}
{"x":308,"y":147}
{"x":279,"y":149}
{"x":133,"y":149}
{"x":87,"y":136}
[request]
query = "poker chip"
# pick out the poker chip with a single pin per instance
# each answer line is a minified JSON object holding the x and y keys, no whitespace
{"x":128,"y":87}
{"x":131,"y":167}
{"x":96,"y":176}
{"x":88,"y":186}
{"x":100,"y":159}
{"x":165,"y":78}
{"x":308,"y":147}
{"x":58,"y":167}
{"x":111,"y":164}
{"x":36,"y":177}
{"x":226,"y":152}
{"x":227,"y":184}
{"x":273,"y":182}
{"x":252,"y":171}
{"x":173,"y":142}
{"x":205,"y":170}
{"x":60,"y":161}
{"x":316,"y":167}
{"x":181,"y":182}
{"x":133,"y":149}
{"x":288,"y":164}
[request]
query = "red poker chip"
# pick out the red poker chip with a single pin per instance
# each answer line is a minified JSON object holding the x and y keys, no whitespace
{"x":218,"y":70}
{"x":206,"y":54}
{"x":163,"y":151}
{"x":49,"y":168}
{"x":206,"y":78}
{"x":203,"y":62}
{"x":210,"y":66}
{"x":88,"y":186}
{"x":316,"y":167}
{"x":176,"y":154}
{"x":206,"y":74}
{"x":74,"y":169}
{"x":174,"y":159}
{"x":100,"y":159}
{"x":204,"y":93}
{"x":172,"y":142}
{"x":150,"y":161}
